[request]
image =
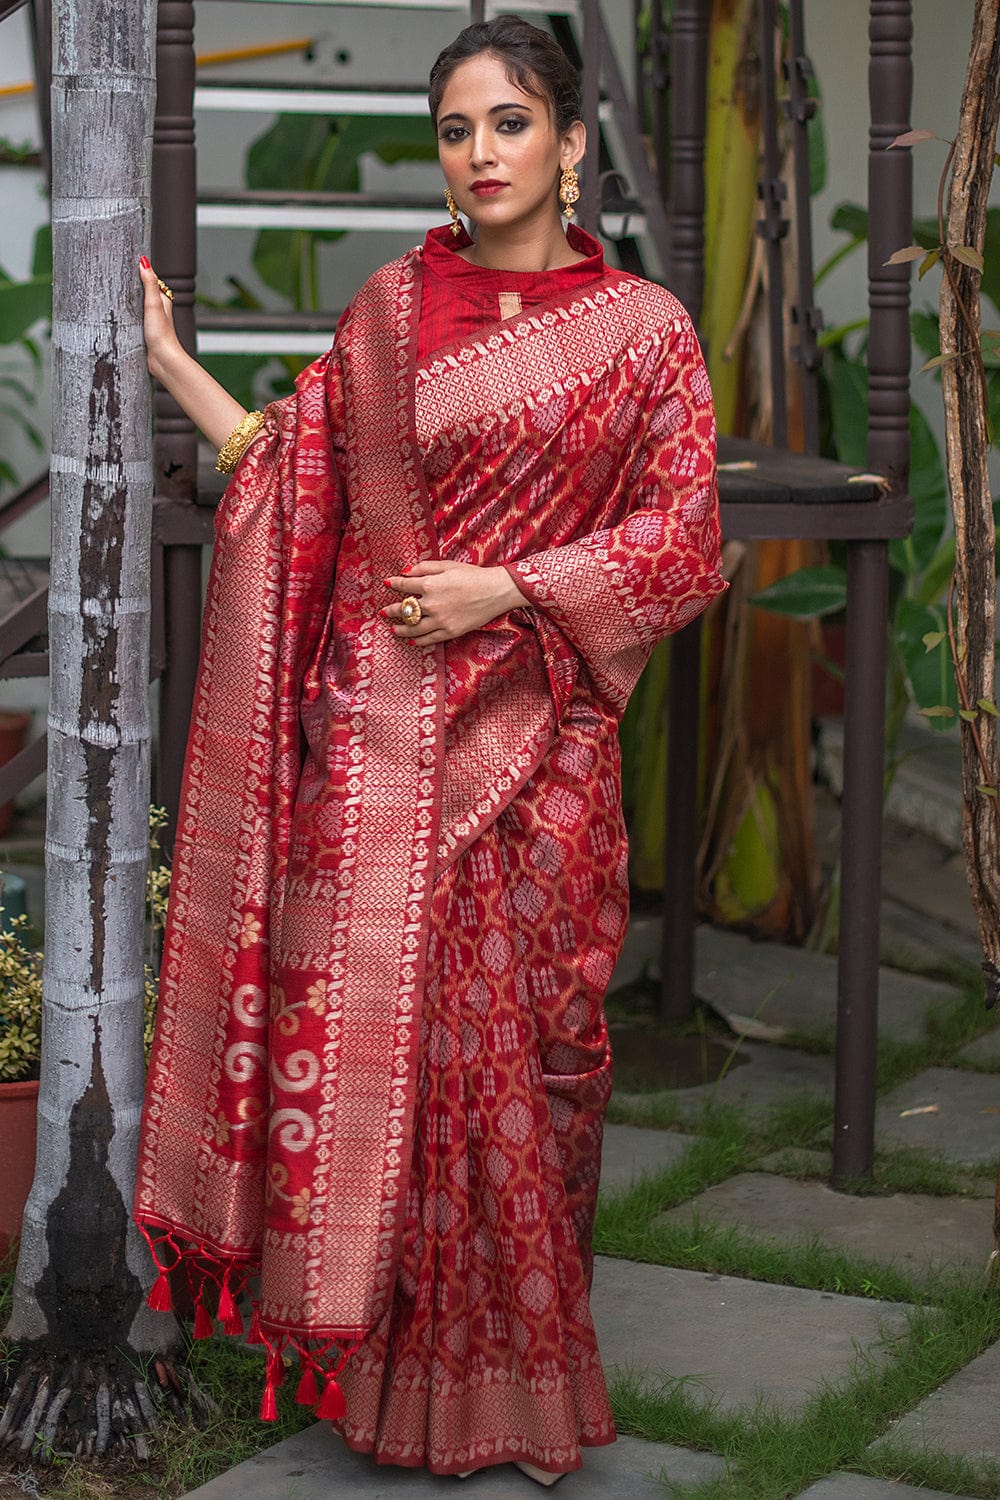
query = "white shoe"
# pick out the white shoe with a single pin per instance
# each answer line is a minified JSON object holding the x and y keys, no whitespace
{"x":538,"y":1475}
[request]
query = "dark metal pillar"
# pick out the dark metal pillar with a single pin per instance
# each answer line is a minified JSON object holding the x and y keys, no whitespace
{"x":891,"y":212}
{"x":808,"y":320}
{"x":689,"y":77}
{"x":175,"y":452}
{"x":687,"y":255}
{"x":590,"y":185}
{"x":773,"y":225}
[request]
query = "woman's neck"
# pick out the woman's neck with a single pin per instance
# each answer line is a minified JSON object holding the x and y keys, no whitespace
{"x":532,"y":248}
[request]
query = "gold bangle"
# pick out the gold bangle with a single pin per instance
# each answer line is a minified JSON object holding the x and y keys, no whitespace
{"x":238,"y":442}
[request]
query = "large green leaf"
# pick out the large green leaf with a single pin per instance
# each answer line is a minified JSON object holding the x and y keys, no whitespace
{"x":311,"y":153}
{"x":848,"y":380}
{"x":929,"y":491}
{"x":806,"y":594}
{"x":930,"y":679}
{"x":852,"y":219}
{"x":22,"y":305}
{"x":928,"y":485}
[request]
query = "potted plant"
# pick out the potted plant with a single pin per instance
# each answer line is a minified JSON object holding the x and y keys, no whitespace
{"x":21,"y":1036}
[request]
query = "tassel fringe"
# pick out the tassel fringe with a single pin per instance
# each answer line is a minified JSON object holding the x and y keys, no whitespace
{"x":320,"y":1359}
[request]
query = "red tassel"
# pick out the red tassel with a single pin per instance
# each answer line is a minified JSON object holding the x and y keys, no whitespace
{"x":159,"y":1298}
{"x":255,"y":1336}
{"x":268,"y":1404}
{"x":307,"y":1394}
{"x":227,"y":1307}
{"x":234,"y":1325}
{"x":202,"y":1322}
{"x":332,"y":1407}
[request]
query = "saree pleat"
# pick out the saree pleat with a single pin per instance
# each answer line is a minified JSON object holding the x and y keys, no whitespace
{"x":488,"y":1352}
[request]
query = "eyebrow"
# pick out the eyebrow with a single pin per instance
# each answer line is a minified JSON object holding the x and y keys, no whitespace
{"x":498,"y":109}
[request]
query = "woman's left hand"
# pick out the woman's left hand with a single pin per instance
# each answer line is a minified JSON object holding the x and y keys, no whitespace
{"x":454,"y":598}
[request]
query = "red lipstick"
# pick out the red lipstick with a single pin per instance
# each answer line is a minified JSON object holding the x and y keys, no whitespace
{"x":487,"y":187}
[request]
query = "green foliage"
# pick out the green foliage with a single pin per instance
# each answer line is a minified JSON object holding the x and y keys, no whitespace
{"x":306,"y":153}
{"x":921,"y":564}
{"x":311,"y":153}
{"x":23,"y":304}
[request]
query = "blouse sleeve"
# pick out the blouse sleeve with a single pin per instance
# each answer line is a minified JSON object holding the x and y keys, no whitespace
{"x":617,"y":591}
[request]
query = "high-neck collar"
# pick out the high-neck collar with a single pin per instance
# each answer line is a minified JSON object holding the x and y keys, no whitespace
{"x":441,"y":244}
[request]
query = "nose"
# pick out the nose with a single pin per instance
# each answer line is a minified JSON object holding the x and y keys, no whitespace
{"x":483,"y":152}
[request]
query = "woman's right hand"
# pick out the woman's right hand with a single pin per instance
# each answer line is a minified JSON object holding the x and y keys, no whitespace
{"x":157,"y":323}
{"x":202,"y":397}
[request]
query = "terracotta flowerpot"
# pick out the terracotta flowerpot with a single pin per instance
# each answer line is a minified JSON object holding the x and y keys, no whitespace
{"x":18,"y":1105}
{"x":14,"y":726}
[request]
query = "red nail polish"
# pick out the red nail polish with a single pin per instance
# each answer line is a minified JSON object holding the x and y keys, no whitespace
{"x":408,"y":570}
{"x":386,"y":583}
{"x":144,"y":262}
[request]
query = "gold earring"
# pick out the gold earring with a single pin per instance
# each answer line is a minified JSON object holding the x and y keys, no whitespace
{"x":456,"y":223}
{"x":569,"y":190}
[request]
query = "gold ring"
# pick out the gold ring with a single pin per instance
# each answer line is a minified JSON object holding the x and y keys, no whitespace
{"x":166,"y":290}
{"x":410,"y":610}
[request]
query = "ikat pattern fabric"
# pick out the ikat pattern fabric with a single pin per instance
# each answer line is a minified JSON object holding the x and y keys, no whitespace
{"x":386,"y":854}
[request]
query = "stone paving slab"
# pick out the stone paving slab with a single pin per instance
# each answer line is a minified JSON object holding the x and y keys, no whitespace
{"x":770,"y":1076}
{"x":794,"y":990}
{"x":863,"y":1487}
{"x":315,"y":1465}
{"x":963,"y":1126}
{"x":962,"y":1417}
{"x":733,"y":1340}
{"x":630,"y":1150}
{"x":915,"y":1231}
{"x":984,"y":1052}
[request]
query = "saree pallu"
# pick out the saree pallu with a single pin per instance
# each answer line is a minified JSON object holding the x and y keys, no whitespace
{"x":399,"y":885}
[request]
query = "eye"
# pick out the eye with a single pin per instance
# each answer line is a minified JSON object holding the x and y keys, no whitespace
{"x":513,"y":125}
{"x":452,"y":133}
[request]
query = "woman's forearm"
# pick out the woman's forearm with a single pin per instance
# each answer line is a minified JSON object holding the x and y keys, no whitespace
{"x":199,"y":394}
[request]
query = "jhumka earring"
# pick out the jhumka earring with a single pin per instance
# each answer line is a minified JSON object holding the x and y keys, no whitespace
{"x":569,"y":190}
{"x":456,"y":223}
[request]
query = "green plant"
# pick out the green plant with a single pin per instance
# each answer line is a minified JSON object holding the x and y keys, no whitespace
{"x":921,"y":565}
{"x":307,"y":153}
{"x":21,"y":973}
{"x":23,"y":304}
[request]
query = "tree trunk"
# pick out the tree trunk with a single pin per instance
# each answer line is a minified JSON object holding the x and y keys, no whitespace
{"x":82,"y":1332}
{"x":967,"y":440}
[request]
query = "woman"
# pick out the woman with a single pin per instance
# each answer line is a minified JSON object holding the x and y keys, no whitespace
{"x":400,"y":881}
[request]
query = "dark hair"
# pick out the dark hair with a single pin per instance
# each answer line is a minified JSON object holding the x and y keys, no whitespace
{"x":534,"y":60}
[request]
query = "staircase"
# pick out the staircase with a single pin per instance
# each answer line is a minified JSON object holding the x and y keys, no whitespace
{"x":347,"y":40}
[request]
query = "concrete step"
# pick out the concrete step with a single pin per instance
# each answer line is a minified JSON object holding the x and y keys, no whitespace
{"x":962,"y":1417}
{"x":733,"y":1341}
{"x":913,"y":1231}
{"x":316,"y":1464}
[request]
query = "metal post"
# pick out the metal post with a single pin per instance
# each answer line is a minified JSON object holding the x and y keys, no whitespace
{"x":175,"y":452}
{"x":890,"y":201}
{"x":687,"y":255}
{"x":801,"y":108}
{"x":773,"y":226}
{"x":590,"y":185}
{"x":677,"y":977}
{"x":689,"y":73}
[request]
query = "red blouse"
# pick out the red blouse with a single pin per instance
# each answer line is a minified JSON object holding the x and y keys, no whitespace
{"x":458,"y":299}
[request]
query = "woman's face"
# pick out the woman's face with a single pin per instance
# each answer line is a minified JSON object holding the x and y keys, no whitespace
{"x":499,"y":148}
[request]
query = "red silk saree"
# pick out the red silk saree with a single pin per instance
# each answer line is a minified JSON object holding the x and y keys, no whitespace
{"x":399,"y":887}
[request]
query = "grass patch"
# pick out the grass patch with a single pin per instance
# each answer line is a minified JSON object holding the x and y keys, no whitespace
{"x":771,"y":1455}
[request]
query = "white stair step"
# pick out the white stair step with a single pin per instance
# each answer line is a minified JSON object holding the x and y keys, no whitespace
{"x":412,"y":220}
{"x":493,"y":7}
{"x":246,"y":341}
{"x":267,"y":99}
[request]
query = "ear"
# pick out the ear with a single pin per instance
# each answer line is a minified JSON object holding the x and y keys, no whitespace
{"x":573,"y":144}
